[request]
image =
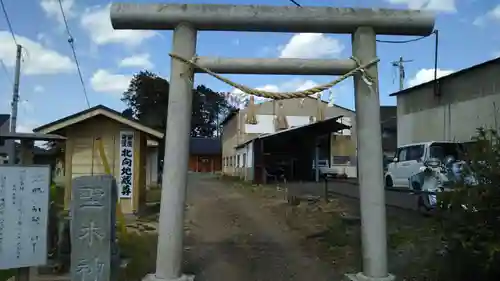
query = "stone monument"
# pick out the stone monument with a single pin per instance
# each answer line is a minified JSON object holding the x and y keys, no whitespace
{"x":93,"y":246}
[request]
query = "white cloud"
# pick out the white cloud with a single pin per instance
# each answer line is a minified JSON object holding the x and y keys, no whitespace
{"x":26,"y":125}
{"x":97,"y":23}
{"x":448,"y":6}
{"x":426,"y":75}
{"x":491,"y":15}
{"x":53,"y":10}
{"x":43,"y":39}
{"x":104,"y":81}
{"x":40,"y":60}
{"x":288,"y":86}
{"x":139,"y":60}
{"x":306,"y":85}
{"x":38,"y":89}
{"x":22,"y":128}
{"x":26,"y":106}
{"x":310,"y":46}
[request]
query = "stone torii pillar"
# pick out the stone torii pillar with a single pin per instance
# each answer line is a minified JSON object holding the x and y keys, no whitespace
{"x":186,"y":20}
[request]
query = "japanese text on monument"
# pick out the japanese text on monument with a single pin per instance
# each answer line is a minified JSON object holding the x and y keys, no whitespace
{"x":92,"y":227}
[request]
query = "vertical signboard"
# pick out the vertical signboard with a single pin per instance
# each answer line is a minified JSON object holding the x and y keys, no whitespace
{"x":24,"y":207}
{"x":126,"y":179}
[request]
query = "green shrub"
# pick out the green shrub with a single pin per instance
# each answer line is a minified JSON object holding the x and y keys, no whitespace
{"x":141,"y":250}
{"x":6,"y":274}
{"x":469,"y":217}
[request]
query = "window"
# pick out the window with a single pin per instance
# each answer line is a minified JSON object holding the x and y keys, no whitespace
{"x":244,"y":160}
{"x":443,"y":150}
{"x":341,"y":160}
{"x":402,"y":154}
{"x":238,"y":164}
{"x":415,"y":152}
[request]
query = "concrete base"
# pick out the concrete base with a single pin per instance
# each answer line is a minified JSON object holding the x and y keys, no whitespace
{"x":152,"y":277}
{"x":361,"y":277}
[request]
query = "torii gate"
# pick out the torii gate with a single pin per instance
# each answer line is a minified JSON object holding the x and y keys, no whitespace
{"x":186,"y":20}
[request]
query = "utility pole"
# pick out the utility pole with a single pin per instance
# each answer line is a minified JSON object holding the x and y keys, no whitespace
{"x":14,"y":104}
{"x":400,"y":65}
{"x":23,"y":273}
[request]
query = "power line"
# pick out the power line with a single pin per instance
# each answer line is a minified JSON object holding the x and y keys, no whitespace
{"x":71,"y":42}
{"x":436,"y":47}
{"x":295,"y":3}
{"x":406,"y":41}
{"x":8,"y":22}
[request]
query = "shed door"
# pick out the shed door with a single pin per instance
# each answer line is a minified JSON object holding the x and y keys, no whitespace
{"x":204,"y":164}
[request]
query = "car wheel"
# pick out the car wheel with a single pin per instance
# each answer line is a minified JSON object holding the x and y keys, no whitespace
{"x":388,"y":182}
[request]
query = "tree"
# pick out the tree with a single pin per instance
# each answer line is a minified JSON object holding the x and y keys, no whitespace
{"x":129,"y":113}
{"x":209,"y":109}
{"x":147,"y":101}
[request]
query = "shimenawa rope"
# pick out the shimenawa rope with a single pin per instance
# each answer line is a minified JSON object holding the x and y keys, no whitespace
{"x":286,"y":95}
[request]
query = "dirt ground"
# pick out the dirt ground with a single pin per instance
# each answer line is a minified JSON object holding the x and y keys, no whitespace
{"x":237,"y":231}
{"x":233,"y":236}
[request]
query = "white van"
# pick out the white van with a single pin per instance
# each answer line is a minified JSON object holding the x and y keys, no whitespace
{"x":409,"y":158}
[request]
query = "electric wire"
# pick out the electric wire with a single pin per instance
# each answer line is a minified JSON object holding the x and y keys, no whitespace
{"x":71,"y":42}
{"x":405,"y":41}
{"x":436,"y":49}
{"x":435,"y":33}
{"x":8,"y":22}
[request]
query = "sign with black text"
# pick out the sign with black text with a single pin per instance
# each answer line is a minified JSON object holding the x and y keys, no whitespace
{"x":126,"y":176}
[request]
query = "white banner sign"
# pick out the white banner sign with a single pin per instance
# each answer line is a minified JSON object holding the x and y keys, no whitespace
{"x":24,"y":208}
{"x":126,"y":179}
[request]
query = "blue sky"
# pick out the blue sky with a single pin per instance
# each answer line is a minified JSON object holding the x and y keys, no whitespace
{"x":50,"y":87}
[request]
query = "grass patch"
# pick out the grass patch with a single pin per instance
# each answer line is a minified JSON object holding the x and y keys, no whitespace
{"x":412,"y":244}
{"x":229,"y":178}
{"x":153,"y":195}
{"x":140,"y":249}
{"x":6,"y":274}
{"x":265,"y":190}
{"x":333,"y":231}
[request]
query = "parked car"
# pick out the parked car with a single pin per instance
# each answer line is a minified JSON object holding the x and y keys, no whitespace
{"x":410,"y":159}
